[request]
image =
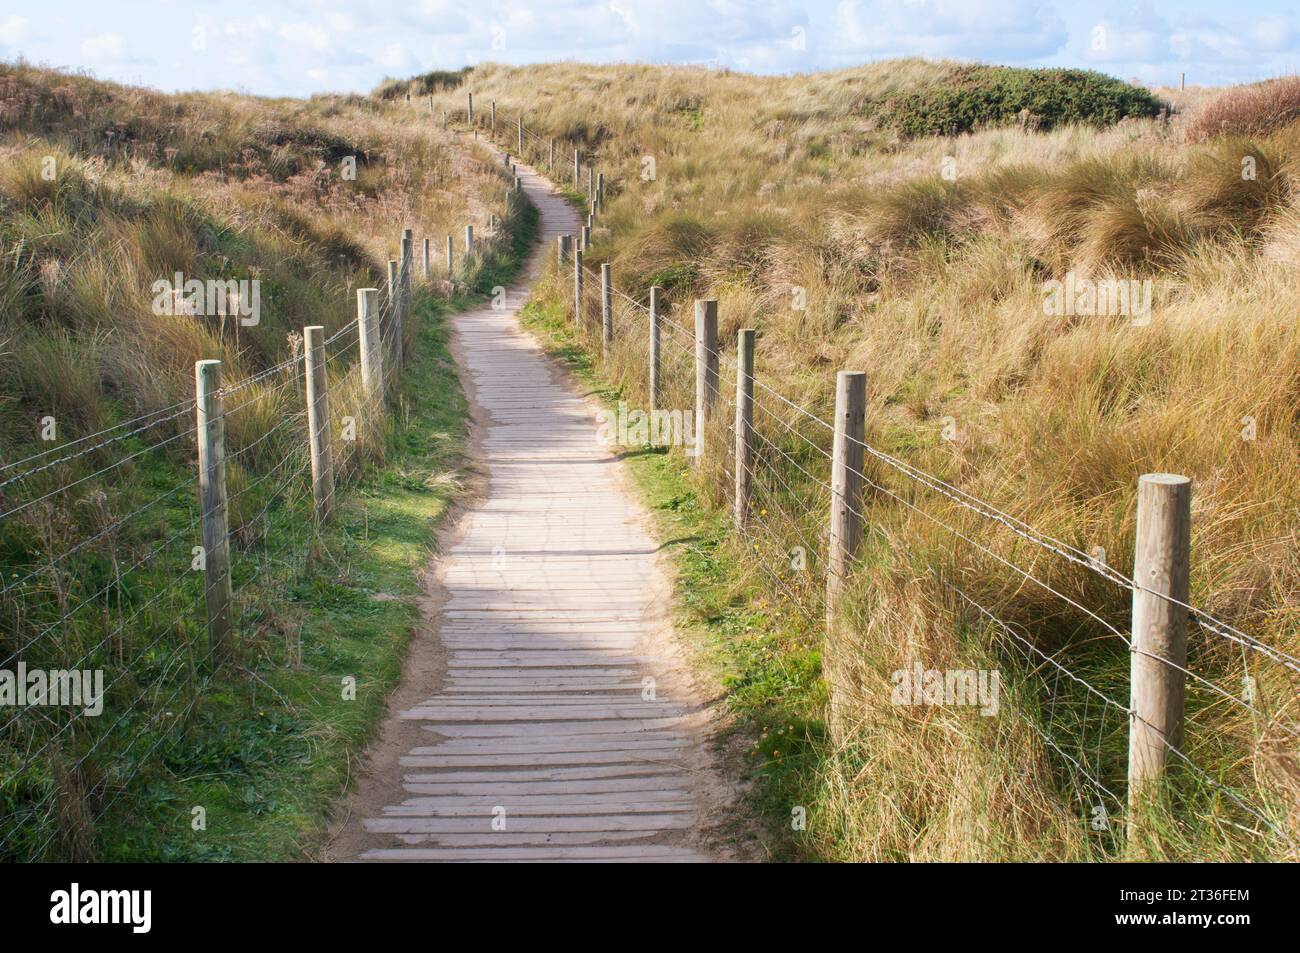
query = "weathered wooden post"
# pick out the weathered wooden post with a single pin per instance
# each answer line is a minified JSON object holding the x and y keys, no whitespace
{"x":318,"y":423}
{"x":369,"y":337}
{"x":744,"y":423}
{"x":494,"y":118}
{"x":846,"y":483}
{"x":451,"y":259}
{"x":211,"y":435}
{"x":600,"y":192}
{"x":586,"y":237}
{"x":424,"y":270}
{"x":469,"y":240}
{"x":407,"y":265}
{"x":1158,"y":660}
{"x":550,"y":162}
{"x":469,"y":110}
{"x":591,"y":185}
{"x":577,"y":286}
{"x":654,"y":347}
{"x":394,"y":313}
{"x":562,"y":249}
{"x":606,"y":309}
{"x":706,"y":370}
{"x":577,"y":169}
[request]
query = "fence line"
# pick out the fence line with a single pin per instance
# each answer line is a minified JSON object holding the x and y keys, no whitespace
{"x":50,"y":753}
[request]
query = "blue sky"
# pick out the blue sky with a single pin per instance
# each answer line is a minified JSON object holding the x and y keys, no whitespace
{"x":298,"y":47}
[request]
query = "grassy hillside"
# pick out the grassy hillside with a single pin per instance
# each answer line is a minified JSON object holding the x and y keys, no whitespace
{"x":850,"y":241}
{"x":105,"y":190}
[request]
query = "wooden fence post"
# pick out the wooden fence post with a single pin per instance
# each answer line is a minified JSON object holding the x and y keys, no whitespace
{"x":318,"y":423}
{"x":706,"y":370}
{"x":562,"y":243}
{"x":846,"y":483}
{"x":404,"y":288}
{"x":606,"y":309}
{"x":451,"y":259}
{"x":469,"y":240}
{"x":654,"y":347}
{"x":424,"y":271}
{"x":586,"y":237}
{"x":577,"y":169}
{"x":469,"y":110}
{"x":211,"y":434}
{"x":600,"y":192}
{"x":550,"y":163}
{"x":1161,"y":573}
{"x":744,"y":423}
{"x":394,"y":312}
{"x":577,"y":286}
{"x":369,"y":337}
{"x":494,"y":118}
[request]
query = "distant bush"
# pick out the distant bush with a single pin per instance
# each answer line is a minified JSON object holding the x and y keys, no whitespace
{"x":980,"y":96}
{"x":423,"y":84}
{"x":1254,"y":110}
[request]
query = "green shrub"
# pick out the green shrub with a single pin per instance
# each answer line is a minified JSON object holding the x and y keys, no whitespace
{"x":979,"y":96}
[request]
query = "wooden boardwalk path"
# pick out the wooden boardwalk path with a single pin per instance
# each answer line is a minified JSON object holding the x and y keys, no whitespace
{"x":561,"y":731}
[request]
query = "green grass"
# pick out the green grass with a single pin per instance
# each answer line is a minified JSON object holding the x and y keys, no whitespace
{"x":750,"y":647}
{"x":271,"y":745}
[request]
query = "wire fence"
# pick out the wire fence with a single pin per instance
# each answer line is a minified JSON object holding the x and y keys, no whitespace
{"x":1053,"y":615}
{"x":106,"y":644}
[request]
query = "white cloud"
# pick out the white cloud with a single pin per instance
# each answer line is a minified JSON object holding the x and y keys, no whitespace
{"x":983,"y":29}
{"x":106,"y":46}
{"x":13,"y":30}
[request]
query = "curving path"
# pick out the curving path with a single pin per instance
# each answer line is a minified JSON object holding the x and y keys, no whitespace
{"x":563,"y":728}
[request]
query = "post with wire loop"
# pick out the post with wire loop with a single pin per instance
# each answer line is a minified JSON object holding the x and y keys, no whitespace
{"x":846,"y":484}
{"x":369,"y":337}
{"x":318,"y":423}
{"x":577,"y":287}
{"x":211,"y":436}
{"x":744,"y":423}
{"x":606,"y":309}
{"x":654,"y":348}
{"x":706,"y":371}
{"x":1158,"y":659}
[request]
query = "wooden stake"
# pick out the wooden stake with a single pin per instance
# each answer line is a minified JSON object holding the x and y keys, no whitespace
{"x":368,"y":334}
{"x":744,"y":423}
{"x":318,"y":423}
{"x":654,"y":347}
{"x":577,"y":286}
{"x":1161,"y":579}
{"x":211,"y":434}
{"x":846,"y":483}
{"x":706,"y":370}
{"x":606,"y":309}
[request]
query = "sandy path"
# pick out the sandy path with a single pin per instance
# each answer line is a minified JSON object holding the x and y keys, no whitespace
{"x":545,"y":713}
